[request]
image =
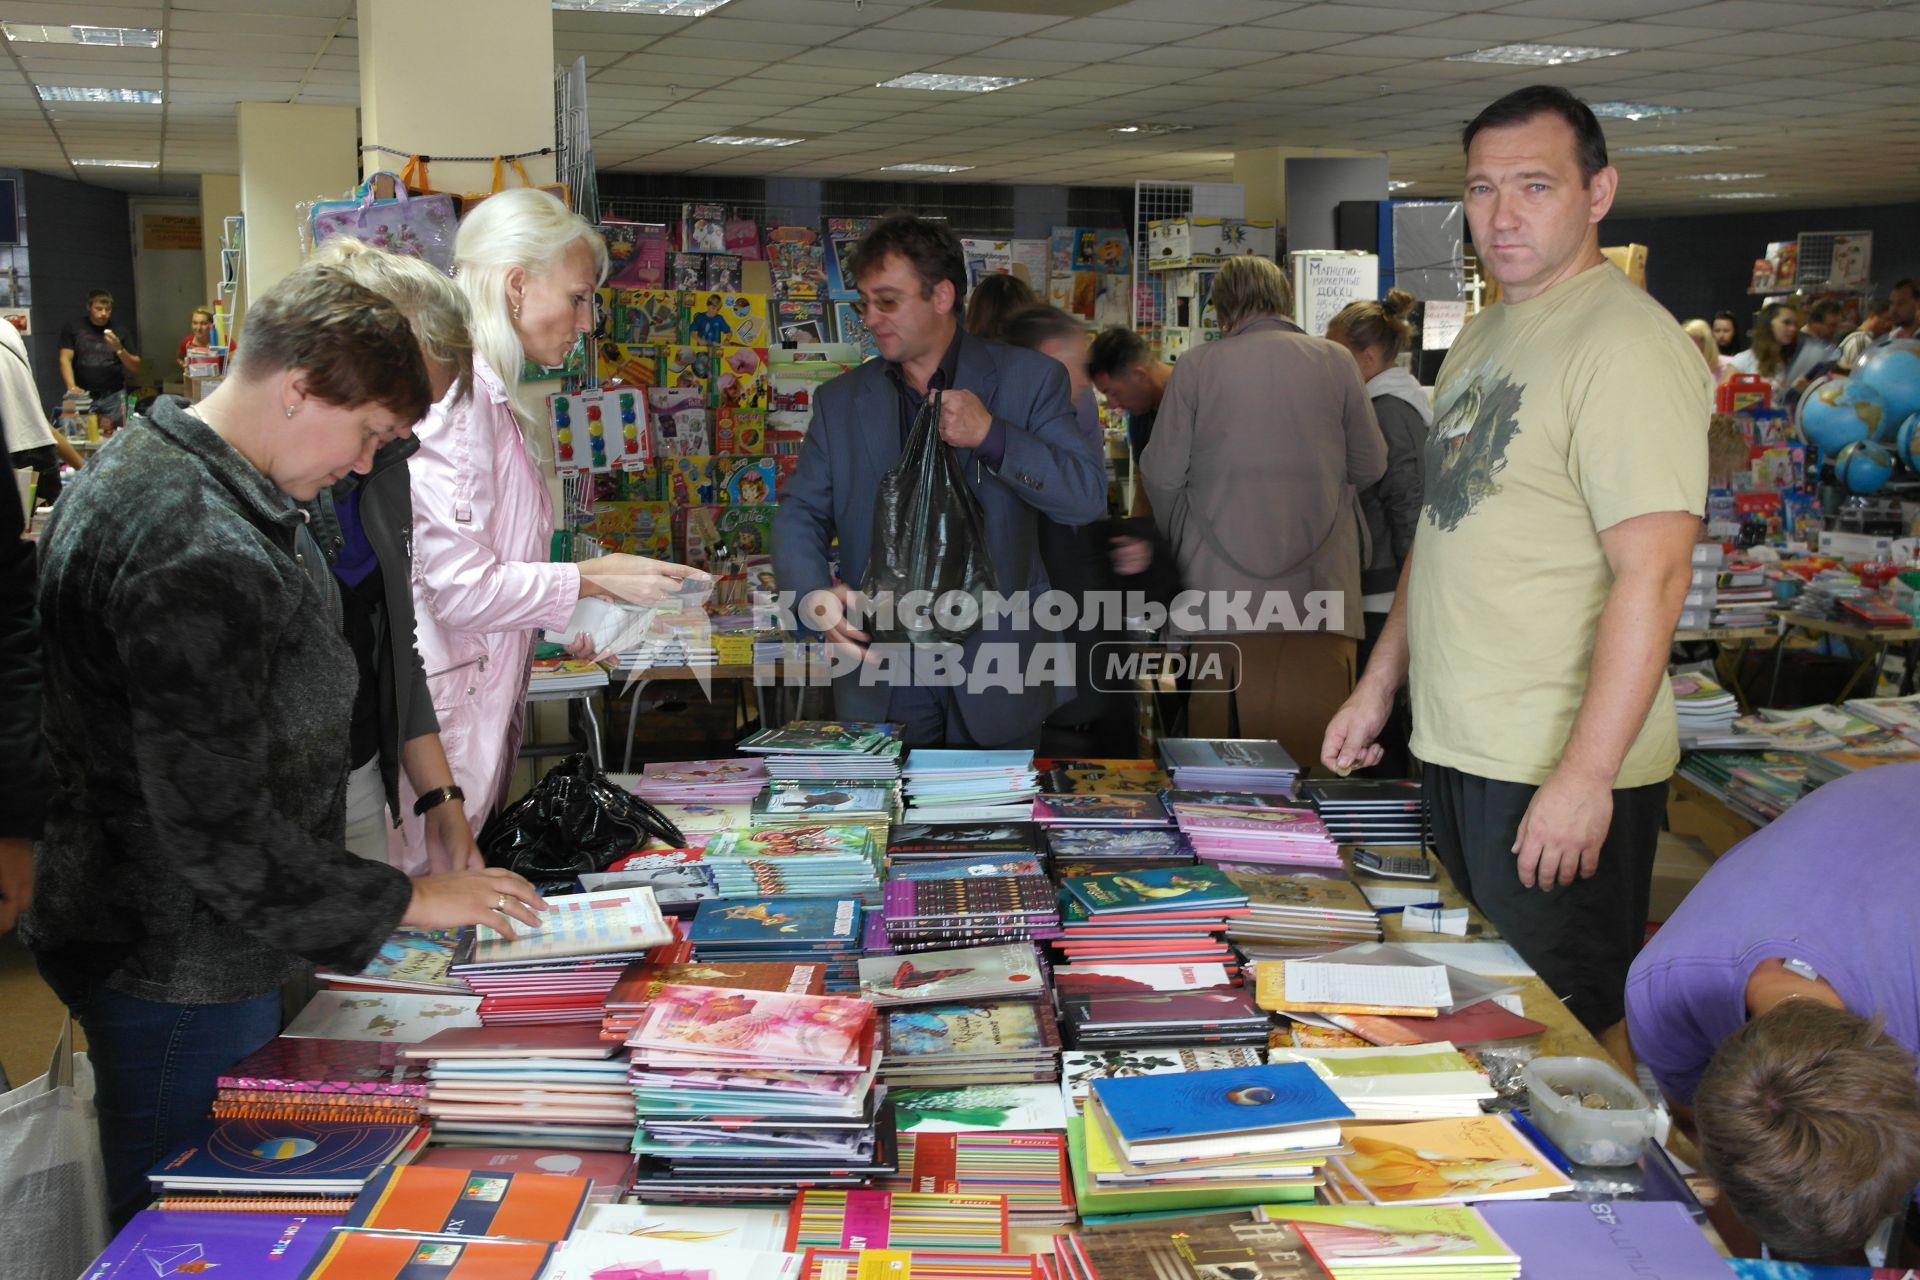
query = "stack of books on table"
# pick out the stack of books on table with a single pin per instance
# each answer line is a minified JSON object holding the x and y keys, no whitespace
{"x":1867,"y":752}
{"x":1229,"y":764}
{"x":565,"y":675}
{"x":1156,"y":916}
{"x":965,"y":973}
{"x":1217,"y":1016}
{"x":1408,"y":1242}
{"x":391,"y":1017}
{"x":1060,"y":775}
{"x":1388,"y":995}
{"x":970,"y":1042}
{"x":1757,"y":785}
{"x":257,"y":1242}
{"x":1472,"y":1158}
{"x":259,"y":1161}
{"x":1095,"y":850}
{"x":1187,"y":1247}
{"x":970,"y":786}
{"x":1386,"y":811}
{"x":594,"y":1252}
{"x":1570,"y":1238}
{"x":752,"y":1094}
{"x":411,"y":960}
{"x":672,"y":652}
{"x":1106,"y":977}
{"x":1703,"y":707}
{"x":633,"y":995}
{"x":610,"y":1172}
{"x":1410,"y":1082}
{"x":548,"y":1086}
{"x":292,"y":1078}
{"x":825,"y":931}
{"x":941,"y":914}
{"x":1902,"y":715}
{"x":816,"y":860}
{"x":828,"y":750}
{"x":873,"y":806}
{"x":561,"y":970}
{"x":679,"y":879}
{"x":912,"y":842}
{"x":699,"y":821}
{"x":1290,"y":909}
{"x":906,"y":1220}
{"x":1079,"y":1068}
{"x":1256,"y":833}
{"x":1220,"y":1136}
{"x":1101,"y":809}
{"x":733,"y":781}
{"x":1029,"y":1168}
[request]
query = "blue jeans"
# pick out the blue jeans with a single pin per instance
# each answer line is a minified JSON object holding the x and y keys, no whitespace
{"x":155,"y":1067}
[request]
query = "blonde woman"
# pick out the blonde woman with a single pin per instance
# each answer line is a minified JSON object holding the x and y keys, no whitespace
{"x":1702,"y":334}
{"x":483,"y":585}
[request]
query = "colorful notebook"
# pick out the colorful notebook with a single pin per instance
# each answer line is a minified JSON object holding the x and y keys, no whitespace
{"x":296,"y":1065}
{"x":159,"y":1242}
{"x":967,"y":973}
{"x":401,"y":1255}
{"x":1605,"y":1240}
{"x":896,"y":1220}
{"x":470,"y":1202}
{"x":1232,"y":1101}
{"x":1446,"y":1162}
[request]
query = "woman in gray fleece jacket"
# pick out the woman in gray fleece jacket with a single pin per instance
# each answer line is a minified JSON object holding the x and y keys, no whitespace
{"x":197,"y":701}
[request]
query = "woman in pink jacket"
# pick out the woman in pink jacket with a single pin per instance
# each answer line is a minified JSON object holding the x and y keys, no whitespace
{"x":482,"y":516}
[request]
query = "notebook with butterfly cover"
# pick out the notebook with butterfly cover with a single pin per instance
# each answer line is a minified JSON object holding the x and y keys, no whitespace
{"x":966,"y":973}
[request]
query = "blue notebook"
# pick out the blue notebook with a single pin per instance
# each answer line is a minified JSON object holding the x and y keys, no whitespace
{"x":160,"y":1242}
{"x":787,"y":922}
{"x":319,"y":1156}
{"x":1220,"y":1103}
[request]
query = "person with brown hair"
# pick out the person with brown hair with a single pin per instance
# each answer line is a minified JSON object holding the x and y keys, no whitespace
{"x":1772,"y":345}
{"x":995,"y":301}
{"x":1263,"y":439}
{"x":1781,"y":1001}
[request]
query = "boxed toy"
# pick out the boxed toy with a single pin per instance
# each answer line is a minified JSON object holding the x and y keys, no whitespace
{"x":680,"y":421}
{"x":600,"y":431}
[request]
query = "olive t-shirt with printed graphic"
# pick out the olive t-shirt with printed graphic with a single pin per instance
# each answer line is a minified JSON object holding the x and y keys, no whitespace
{"x":1555,"y":418}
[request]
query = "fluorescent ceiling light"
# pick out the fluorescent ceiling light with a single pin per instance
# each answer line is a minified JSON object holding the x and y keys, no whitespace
{"x":925,"y":168}
{"x":1148,"y":130}
{"x":1672,"y":149}
{"x":1399,"y":184}
{"x":109,"y":37}
{"x":120,"y":164}
{"x":1721,"y":177}
{"x":665,"y":8}
{"x":1633,"y":110}
{"x":90,"y":93}
{"x":1536,"y":55}
{"x":747,"y":140}
{"x":1744,"y":195}
{"x":951,"y":84}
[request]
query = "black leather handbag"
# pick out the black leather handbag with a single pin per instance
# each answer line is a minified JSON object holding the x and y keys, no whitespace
{"x":574,"y":820}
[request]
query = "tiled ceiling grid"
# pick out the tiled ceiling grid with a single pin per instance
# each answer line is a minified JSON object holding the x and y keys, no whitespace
{"x":1815,"y":95}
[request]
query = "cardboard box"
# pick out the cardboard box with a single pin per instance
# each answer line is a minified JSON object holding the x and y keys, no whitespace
{"x":1678,"y":863}
{"x":1188,"y":242}
{"x":1632,"y":259}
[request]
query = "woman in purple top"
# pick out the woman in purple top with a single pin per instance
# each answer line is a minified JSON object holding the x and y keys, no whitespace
{"x":1782,"y":1003}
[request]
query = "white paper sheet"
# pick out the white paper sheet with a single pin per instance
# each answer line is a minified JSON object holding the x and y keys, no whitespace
{"x":1315,"y":982}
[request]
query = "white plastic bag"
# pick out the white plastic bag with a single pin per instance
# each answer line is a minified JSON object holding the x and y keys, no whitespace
{"x":52,"y":1184}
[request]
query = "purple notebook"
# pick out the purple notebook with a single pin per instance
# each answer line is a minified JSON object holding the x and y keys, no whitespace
{"x":1604,"y":1240}
{"x":161,"y":1242}
{"x":296,"y":1064}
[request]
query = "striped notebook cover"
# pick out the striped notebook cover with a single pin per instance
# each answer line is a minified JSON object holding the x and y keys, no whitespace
{"x":1029,"y":1169}
{"x":831,"y":1219}
{"x":919,"y":1264}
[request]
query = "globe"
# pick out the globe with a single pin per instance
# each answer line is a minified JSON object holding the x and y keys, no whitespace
{"x":1908,"y":442}
{"x":1892,"y":372}
{"x":1835,"y":412}
{"x":1863,"y":466}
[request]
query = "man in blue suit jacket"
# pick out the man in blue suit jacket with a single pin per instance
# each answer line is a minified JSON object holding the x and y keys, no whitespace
{"x":1008,"y":414}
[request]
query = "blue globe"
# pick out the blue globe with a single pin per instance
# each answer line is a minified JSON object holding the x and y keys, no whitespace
{"x":1892,"y":372}
{"x":1908,"y":443}
{"x":1863,"y":466}
{"x":1835,"y":412}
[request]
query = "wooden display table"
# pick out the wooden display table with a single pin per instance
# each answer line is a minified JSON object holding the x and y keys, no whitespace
{"x":1870,"y":642}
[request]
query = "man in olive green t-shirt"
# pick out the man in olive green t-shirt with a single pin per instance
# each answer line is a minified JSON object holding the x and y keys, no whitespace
{"x":1565,"y":476}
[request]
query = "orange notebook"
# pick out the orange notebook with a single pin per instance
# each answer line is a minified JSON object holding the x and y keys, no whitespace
{"x":372,"y":1255}
{"x":466,"y":1202}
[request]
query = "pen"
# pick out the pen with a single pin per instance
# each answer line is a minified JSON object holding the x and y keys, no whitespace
{"x":1539,"y":1139}
{"x":1387,"y":911}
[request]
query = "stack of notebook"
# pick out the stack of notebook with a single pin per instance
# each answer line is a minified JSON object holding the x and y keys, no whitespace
{"x":797,"y":860}
{"x":1093,"y":850}
{"x":1219,"y":1016}
{"x":590,"y":1254}
{"x":1290,"y":909}
{"x":831,"y":1219}
{"x":411,"y":960}
{"x":968,"y":973}
{"x":1079,"y":1068}
{"x":823,"y":931}
{"x":728,"y":781}
{"x":970,"y":786}
{"x":1156,"y":916}
{"x":565,"y":675}
{"x":561,"y":970}
{"x":750,"y":1094}
{"x":1102,"y":809}
{"x":1229,"y":764}
{"x":869,"y":805}
{"x":1256,"y":833}
{"x":679,"y":879}
{"x":1414,"y":1082}
{"x":610,"y":1172}
{"x":970,"y":1042}
{"x":931,"y":915}
{"x":1702,"y":707}
{"x":1060,"y":776}
{"x":1187,"y":1247}
{"x":633,"y":995}
{"x":1029,"y":1169}
{"x":252,"y":1157}
{"x":941,"y":842}
{"x":1404,"y":1242}
{"x":312,"y":1079}
{"x":1473,"y":1158}
{"x":557,"y":1086}
{"x":1385,"y":811}
{"x":828,"y":750}
{"x":170,"y":1242}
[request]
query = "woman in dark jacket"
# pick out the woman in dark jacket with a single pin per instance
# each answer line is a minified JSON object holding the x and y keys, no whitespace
{"x":197,"y":697}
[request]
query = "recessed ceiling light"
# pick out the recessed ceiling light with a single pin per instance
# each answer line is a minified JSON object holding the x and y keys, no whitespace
{"x":1672,"y":149}
{"x":89,"y":93}
{"x":120,"y":164}
{"x":1399,"y":184}
{"x":1633,"y":110}
{"x":925,"y":168}
{"x":665,"y":8}
{"x":951,"y":84}
{"x":1743,"y":195}
{"x":1149,"y":130}
{"x":1721,"y":177}
{"x":747,"y":140}
{"x":1536,"y":55}
{"x":110,"y":37}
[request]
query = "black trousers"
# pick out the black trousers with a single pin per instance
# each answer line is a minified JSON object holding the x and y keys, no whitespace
{"x":1580,"y":938}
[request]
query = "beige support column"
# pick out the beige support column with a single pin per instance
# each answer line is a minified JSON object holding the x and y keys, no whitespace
{"x":456,"y":78}
{"x":219,"y":200}
{"x":288,"y":154}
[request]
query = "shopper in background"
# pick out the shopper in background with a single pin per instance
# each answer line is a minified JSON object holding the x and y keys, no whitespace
{"x":22,"y":759}
{"x":364,"y":525}
{"x":31,"y":442}
{"x":1819,"y":332}
{"x":1566,"y":476}
{"x":1772,"y":345}
{"x":1262,"y":441}
{"x":199,"y":334}
{"x":994,"y":301}
{"x":94,"y":360}
{"x":1008,"y":415}
{"x":1376,"y":333}
{"x":197,"y":704}
{"x":1726,"y":333}
{"x":1875,"y":324}
{"x":1702,"y":335}
{"x":1781,"y":1002}
{"x":1903,"y":301}
{"x":482,"y":520}
{"x":1125,"y":370}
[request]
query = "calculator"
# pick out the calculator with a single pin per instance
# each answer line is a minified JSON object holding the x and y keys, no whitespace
{"x":1399,"y":866}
